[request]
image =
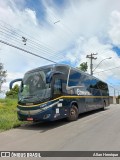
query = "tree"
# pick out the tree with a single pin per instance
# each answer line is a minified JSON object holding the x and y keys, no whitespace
{"x":3,"y":75}
{"x":13,"y":93}
{"x":83,"y":66}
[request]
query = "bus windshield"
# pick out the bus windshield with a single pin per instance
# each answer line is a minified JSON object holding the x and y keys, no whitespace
{"x":34,"y":87}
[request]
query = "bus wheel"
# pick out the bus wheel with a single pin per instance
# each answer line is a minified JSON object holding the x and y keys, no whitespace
{"x":73,"y":114}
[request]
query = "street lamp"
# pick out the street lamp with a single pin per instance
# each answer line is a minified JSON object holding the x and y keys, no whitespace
{"x":100,"y":63}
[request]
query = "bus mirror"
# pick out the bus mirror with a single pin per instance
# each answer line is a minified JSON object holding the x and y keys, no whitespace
{"x":12,"y":82}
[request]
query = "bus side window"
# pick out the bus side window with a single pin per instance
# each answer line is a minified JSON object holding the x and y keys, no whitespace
{"x":74,"y":78}
{"x":57,"y":86}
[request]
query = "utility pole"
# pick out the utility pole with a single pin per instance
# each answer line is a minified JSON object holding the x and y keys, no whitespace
{"x":114,"y":92}
{"x":91,"y":57}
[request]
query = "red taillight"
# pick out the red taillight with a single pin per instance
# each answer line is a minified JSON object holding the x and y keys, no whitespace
{"x":29,"y":119}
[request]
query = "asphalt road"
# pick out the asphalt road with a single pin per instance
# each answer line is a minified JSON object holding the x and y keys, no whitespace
{"x":93,"y":131}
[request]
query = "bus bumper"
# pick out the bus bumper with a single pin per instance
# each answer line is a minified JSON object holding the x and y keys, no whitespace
{"x":44,"y":116}
{"x":47,"y":115}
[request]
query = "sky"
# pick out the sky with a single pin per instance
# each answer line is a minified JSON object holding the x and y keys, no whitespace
{"x":64,"y":31}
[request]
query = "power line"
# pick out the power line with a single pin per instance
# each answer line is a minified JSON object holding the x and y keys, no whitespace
{"x":108,"y":69}
{"x":45,"y":50}
{"x":114,"y":89}
{"x":16,"y":35}
{"x":101,"y":62}
{"x":13,"y":33}
{"x":10,"y":31}
{"x":11,"y":45}
{"x":17,"y":39}
{"x":30,"y":46}
{"x":12,"y":37}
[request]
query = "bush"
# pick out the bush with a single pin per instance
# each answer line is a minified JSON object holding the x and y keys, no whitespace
{"x":8,"y":114}
{"x":13,"y":93}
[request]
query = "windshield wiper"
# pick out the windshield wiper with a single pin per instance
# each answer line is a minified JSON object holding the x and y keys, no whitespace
{"x":30,"y":96}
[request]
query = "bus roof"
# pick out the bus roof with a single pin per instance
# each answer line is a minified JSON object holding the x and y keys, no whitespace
{"x":64,"y":65}
{"x":47,"y":66}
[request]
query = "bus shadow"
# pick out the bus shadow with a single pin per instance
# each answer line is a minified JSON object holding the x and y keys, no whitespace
{"x":45,"y":126}
{"x":83,"y":115}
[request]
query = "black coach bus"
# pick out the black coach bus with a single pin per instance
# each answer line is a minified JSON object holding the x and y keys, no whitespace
{"x":54,"y":92}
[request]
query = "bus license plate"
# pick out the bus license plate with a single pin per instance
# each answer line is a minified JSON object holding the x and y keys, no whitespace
{"x":29,"y":119}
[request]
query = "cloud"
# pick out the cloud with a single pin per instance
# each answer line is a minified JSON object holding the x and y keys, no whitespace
{"x":94,"y":45}
{"x":84,"y":27}
{"x":114,"y":31}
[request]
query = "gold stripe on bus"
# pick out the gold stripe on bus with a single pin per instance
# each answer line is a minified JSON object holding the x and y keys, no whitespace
{"x":65,"y":97}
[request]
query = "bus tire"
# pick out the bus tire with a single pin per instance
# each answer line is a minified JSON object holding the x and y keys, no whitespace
{"x":73,"y":114}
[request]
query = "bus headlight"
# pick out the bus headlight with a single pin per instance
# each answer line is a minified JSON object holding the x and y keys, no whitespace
{"x":46,"y":116}
{"x":59,"y":105}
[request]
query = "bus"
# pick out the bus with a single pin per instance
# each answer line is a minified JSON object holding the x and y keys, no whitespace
{"x":58,"y":91}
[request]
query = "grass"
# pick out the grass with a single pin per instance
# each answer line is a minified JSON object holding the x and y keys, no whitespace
{"x":8,"y":114}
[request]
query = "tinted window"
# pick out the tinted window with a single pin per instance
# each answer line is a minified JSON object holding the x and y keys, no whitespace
{"x":57,"y":86}
{"x":102,"y":86}
{"x":64,"y":70}
{"x":86,"y":81}
{"x":74,"y":78}
{"x":94,"y":84}
{"x":95,"y":92}
{"x":89,"y":82}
